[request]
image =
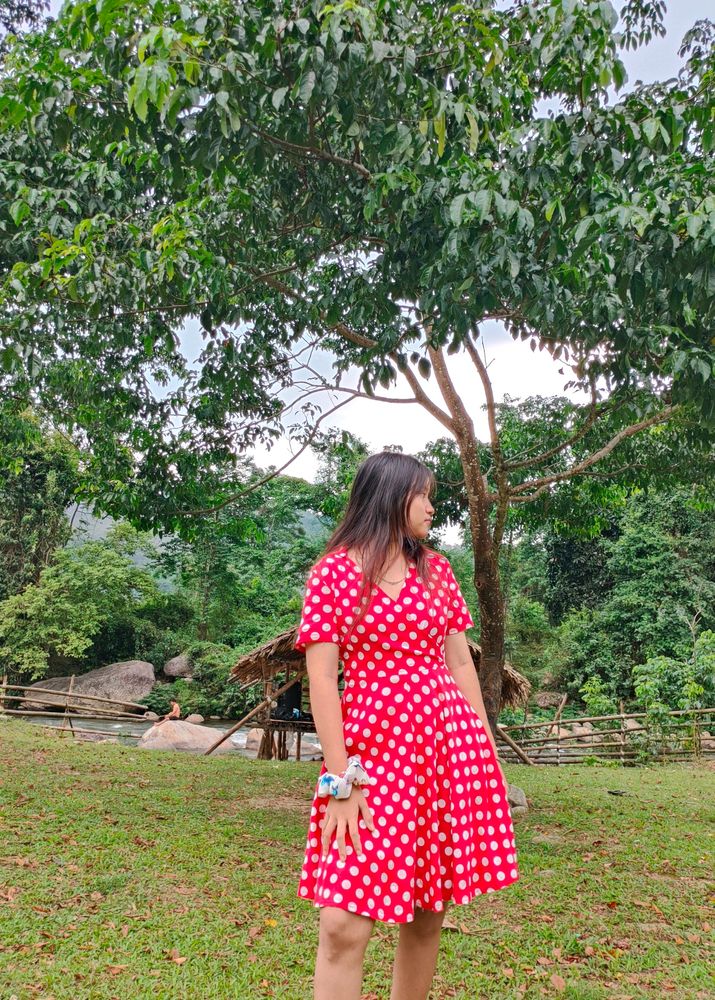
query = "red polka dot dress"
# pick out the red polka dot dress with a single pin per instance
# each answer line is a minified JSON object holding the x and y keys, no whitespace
{"x":443,"y":830}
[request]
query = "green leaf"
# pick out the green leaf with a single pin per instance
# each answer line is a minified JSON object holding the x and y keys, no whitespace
{"x":473,"y":132}
{"x":307,"y":86}
{"x":19,"y":210}
{"x":482,"y":201}
{"x":456,"y":208}
{"x":440,"y":130}
{"x":278,"y":97}
{"x":424,"y":367}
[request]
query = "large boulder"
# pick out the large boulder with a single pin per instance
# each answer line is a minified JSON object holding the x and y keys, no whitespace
{"x":179,"y":666}
{"x":174,"y":734}
{"x":128,"y":681}
{"x":548,"y":699}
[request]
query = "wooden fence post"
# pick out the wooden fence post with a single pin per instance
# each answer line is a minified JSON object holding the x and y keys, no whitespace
{"x":622,"y":724}
{"x":66,"y":718}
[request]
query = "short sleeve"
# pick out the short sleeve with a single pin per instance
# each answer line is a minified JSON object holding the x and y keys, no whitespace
{"x":318,"y":621}
{"x":458,"y":617}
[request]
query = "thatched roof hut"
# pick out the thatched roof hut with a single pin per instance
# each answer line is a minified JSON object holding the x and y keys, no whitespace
{"x":279,"y":654}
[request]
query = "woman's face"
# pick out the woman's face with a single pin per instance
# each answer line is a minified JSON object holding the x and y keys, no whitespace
{"x":419,"y":514}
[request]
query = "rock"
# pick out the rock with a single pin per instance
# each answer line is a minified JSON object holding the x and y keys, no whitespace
{"x":95,"y":738}
{"x":563,"y":732}
{"x":583,"y":732}
{"x":253,"y":740}
{"x":517,"y":800}
{"x":179,"y":666}
{"x":178,"y":735}
{"x":195,"y":718}
{"x":128,"y":681}
{"x":632,"y":724}
{"x":548,"y":699}
{"x":151,"y":717}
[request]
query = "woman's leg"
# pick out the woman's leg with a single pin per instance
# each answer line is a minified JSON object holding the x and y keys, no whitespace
{"x":416,"y":956}
{"x":342,"y":942}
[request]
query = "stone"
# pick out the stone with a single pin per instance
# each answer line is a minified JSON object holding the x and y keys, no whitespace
{"x":128,"y":681}
{"x":516,"y":797}
{"x":179,"y":666}
{"x":548,"y":699}
{"x":583,"y":732}
{"x":151,"y":717}
{"x":253,"y":740}
{"x":632,"y":724}
{"x":175,"y":734}
{"x":195,"y":718}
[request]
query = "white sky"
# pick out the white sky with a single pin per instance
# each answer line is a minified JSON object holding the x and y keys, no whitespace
{"x":514,"y":368}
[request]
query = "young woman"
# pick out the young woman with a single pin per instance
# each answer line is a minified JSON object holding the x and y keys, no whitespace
{"x":411,"y":808}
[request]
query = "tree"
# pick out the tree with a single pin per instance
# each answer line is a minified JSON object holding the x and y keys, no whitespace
{"x":661,"y":597}
{"x":87,"y":589}
{"x":16,"y":15}
{"x":376,"y":180}
{"x":242,"y":572}
{"x":40,"y":476}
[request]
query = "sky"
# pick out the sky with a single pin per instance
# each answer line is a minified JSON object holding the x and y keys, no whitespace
{"x":514,"y":369}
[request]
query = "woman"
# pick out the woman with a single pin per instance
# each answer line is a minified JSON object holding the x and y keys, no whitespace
{"x":411,"y":809}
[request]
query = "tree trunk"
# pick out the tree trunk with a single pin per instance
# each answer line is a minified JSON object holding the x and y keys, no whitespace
{"x":487,"y":583}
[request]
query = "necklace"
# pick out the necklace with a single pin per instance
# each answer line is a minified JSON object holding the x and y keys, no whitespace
{"x":393,"y":583}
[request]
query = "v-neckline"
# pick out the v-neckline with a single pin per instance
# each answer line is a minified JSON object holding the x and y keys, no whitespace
{"x":393,"y":600}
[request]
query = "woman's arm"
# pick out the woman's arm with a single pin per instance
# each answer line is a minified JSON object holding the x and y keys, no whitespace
{"x":341,"y":816}
{"x":461,"y":667}
{"x":322,"y":662}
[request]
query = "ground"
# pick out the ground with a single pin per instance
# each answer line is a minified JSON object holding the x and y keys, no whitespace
{"x":135,"y":874}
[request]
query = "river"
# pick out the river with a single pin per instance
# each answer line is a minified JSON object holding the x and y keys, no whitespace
{"x":129,"y":732}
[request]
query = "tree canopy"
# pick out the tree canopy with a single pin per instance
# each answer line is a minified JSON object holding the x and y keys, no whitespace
{"x":375,"y":178}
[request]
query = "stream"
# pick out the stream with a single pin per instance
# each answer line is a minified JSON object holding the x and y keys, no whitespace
{"x":130,"y":732}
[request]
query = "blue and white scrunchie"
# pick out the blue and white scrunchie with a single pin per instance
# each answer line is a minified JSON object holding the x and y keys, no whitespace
{"x":340,"y":785}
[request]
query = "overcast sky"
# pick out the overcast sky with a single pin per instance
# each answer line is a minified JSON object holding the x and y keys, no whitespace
{"x":513,"y":368}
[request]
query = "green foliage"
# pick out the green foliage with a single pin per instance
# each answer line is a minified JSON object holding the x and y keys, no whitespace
{"x":87,"y":589}
{"x":661,"y":566}
{"x":244,"y":570}
{"x":527,"y":633}
{"x":211,"y":161}
{"x":596,"y":698}
{"x":38,"y":482}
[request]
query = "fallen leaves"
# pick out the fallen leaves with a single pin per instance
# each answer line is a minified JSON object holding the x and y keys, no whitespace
{"x":175,"y":956}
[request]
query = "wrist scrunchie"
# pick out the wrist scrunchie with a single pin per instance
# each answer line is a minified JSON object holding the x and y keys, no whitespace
{"x":340,"y":785}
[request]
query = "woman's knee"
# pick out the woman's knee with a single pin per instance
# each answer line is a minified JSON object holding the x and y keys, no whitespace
{"x":342,"y":932}
{"x":427,"y":923}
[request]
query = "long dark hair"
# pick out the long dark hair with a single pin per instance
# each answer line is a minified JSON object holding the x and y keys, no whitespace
{"x":375,"y":522}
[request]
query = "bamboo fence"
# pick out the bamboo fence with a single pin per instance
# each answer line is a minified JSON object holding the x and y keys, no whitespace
{"x":67,"y":708}
{"x":682,"y":734}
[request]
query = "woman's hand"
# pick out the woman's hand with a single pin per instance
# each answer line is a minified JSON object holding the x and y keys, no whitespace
{"x":342,"y":815}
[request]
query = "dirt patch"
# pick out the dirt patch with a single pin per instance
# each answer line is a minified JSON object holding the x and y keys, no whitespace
{"x":287,"y":803}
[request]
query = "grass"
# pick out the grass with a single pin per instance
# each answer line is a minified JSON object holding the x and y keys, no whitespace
{"x":129,"y":874}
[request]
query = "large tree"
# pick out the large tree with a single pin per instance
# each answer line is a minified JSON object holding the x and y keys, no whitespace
{"x":375,"y":180}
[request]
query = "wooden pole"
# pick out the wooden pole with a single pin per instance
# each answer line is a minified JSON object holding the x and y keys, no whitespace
{"x":2,"y":693}
{"x":604,"y":718}
{"x":553,"y":722}
{"x":28,"y":693}
{"x":501,"y":735}
{"x":622,"y":721}
{"x":66,"y":718}
{"x":254,"y":711}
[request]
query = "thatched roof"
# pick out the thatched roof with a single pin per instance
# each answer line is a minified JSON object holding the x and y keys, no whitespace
{"x":274,"y":656}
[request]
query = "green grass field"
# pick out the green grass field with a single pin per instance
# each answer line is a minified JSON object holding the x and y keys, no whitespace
{"x":130,"y":874}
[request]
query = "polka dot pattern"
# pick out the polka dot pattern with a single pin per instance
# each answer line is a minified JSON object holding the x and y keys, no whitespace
{"x":443,"y":827}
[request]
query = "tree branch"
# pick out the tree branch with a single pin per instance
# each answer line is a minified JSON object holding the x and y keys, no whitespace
{"x":539,"y":485}
{"x":271,"y":475}
{"x":314,"y":152}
